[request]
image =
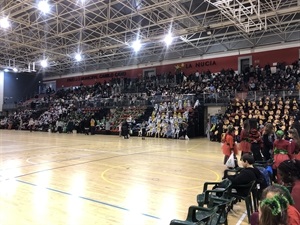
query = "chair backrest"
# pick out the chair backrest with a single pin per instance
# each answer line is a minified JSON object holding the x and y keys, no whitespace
{"x":197,"y":216}
{"x":219,"y":190}
{"x":223,"y":205}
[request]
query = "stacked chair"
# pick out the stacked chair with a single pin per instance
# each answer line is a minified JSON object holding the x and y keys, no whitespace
{"x":213,"y":206}
{"x":216,"y":200}
{"x":251,"y":199}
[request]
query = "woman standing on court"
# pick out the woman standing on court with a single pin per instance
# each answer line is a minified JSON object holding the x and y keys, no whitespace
{"x":255,"y":140}
{"x":280,"y":151}
{"x":229,"y":145}
{"x":245,"y":145}
{"x":268,"y":140}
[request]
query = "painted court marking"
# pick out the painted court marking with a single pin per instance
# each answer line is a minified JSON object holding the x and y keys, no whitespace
{"x":89,"y":199}
{"x":242,"y":218}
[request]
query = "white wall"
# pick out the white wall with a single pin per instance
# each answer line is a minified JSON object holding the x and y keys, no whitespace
{"x":213,"y":110}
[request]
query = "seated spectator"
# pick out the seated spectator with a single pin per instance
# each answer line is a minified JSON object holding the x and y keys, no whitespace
{"x":271,"y":191}
{"x":289,"y":171}
{"x":277,"y":208}
{"x":245,"y":176}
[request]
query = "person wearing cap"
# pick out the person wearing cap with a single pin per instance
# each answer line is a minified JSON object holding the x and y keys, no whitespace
{"x":280,"y":151}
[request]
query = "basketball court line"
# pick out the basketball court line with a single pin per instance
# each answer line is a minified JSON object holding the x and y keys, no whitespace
{"x":111,"y":205}
{"x":242,"y":218}
{"x":89,"y":199}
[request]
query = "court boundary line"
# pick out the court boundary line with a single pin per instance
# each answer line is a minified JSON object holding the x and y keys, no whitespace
{"x":242,"y":218}
{"x":89,"y":199}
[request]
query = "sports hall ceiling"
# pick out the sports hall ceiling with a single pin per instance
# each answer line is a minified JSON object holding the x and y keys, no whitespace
{"x":103,"y":30}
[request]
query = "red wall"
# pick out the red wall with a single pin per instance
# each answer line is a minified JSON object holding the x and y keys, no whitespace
{"x":288,"y":56}
{"x":214,"y":65}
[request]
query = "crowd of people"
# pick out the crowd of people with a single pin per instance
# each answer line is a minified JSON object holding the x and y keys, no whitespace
{"x":67,"y":107}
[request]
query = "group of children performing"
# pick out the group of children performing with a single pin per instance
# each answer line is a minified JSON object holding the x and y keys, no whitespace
{"x":269,"y":146}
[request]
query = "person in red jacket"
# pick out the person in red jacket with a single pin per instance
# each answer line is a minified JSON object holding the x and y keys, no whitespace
{"x":280,"y":151}
{"x":229,"y":145}
{"x":294,"y":147}
{"x":255,"y":140}
{"x":289,"y":171}
{"x":276,"y":209}
{"x":245,"y":144}
{"x":292,"y":214}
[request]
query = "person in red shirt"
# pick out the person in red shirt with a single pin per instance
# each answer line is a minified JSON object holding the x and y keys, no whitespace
{"x":229,"y":145}
{"x":255,"y":140}
{"x":290,"y":215}
{"x":294,"y":147}
{"x":245,"y":144}
{"x":280,"y":151}
{"x":276,"y":210}
{"x":289,"y":171}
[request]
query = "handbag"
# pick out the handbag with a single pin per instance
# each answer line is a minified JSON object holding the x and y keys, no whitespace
{"x":231,"y":161}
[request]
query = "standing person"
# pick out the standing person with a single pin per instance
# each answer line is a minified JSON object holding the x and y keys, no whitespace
{"x":92,"y":125}
{"x":107,"y":126}
{"x":294,"y":147}
{"x":120,"y":129}
{"x":169,"y":130}
{"x":143,"y":129}
{"x":208,"y":126}
{"x":280,"y":151}
{"x":268,"y":140}
{"x":289,"y":171}
{"x":30,"y":124}
{"x":125,"y":129}
{"x":86,"y":124}
{"x":245,"y":145}
{"x":219,"y":129}
{"x":255,"y":140}
{"x":229,"y":145}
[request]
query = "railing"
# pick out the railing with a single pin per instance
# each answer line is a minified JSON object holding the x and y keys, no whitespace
{"x":256,"y":95}
{"x":204,"y":98}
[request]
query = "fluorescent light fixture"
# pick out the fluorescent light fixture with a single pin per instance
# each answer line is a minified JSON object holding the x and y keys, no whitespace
{"x":168,"y":39}
{"x":136,"y":45}
{"x":78,"y":57}
{"x":44,"y":6}
{"x":44,"y":63}
{"x":4,"y":23}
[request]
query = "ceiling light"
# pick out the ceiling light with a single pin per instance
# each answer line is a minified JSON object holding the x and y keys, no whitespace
{"x":78,"y":57}
{"x":136,"y":45}
{"x":44,"y":6}
{"x":4,"y":23}
{"x":168,"y":39}
{"x":44,"y":63}
{"x":6,"y":70}
{"x":15,"y":69}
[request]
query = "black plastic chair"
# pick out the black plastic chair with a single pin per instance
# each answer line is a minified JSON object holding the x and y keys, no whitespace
{"x":220,"y":217}
{"x":197,"y":215}
{"x":223,"y":209}
{"x":247,"y":198}
{"x":218,"y":189}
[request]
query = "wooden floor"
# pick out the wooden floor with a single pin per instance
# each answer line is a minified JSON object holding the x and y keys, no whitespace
{"x":75,"y":179}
